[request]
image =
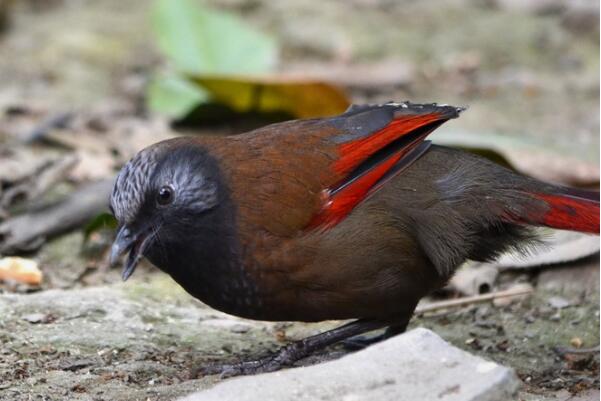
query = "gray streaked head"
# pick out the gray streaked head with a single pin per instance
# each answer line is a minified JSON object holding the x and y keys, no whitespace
{"x":131,"y":184}
{"x":164,"y":188}
{"x":185,"y":170}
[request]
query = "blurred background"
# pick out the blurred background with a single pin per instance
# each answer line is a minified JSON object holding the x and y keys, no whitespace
{"x":86,"y":84}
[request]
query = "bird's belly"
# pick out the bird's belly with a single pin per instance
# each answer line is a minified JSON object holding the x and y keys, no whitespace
{"x":287,"y":300}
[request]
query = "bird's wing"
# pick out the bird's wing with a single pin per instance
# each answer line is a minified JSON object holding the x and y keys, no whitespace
{"x":310,"y":174}
{"x":375,"y":143}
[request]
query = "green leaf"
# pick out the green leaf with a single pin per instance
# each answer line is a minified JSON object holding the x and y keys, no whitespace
{"x":174,"y":96}
{"x":203,"y":41}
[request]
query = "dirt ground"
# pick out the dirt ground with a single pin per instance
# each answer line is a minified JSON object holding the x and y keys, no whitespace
{"x":101,"y":339}
{"x":527,"y":70}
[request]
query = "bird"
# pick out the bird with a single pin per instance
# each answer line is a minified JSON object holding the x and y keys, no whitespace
{"x":352,"y":217}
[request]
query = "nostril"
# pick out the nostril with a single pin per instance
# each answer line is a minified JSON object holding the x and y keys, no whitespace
{"x":125,"y":233}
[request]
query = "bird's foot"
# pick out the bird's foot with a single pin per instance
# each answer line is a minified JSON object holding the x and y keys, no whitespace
{"x":285,"y":356}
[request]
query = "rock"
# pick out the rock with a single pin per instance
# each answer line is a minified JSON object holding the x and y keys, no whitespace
{"x":558,"y":302}
{"x":110,"y":342}
{"x":417,"y":365}
{"x":474,"y":279}
{"x":228,"y":324}
{"x":35,"y":318}
{"x":573,"y":280}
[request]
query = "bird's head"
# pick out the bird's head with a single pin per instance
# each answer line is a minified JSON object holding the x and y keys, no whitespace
{"x":160,"y":198}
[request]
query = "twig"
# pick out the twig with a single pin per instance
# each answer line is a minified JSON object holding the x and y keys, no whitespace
{"x":472,"y":300}
{"x":28,"y":231}
{"x":41,"y":180}
{"x":60,"y":120}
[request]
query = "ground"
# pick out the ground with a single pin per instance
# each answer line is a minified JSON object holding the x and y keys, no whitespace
{"x":527,"y":70}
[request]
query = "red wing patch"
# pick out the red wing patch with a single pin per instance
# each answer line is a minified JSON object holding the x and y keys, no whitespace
{"x":353,"y":153}
{"x":375,"y":143}
{"x":337,"y":205}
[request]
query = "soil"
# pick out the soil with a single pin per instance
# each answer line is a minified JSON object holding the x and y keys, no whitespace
{"x":525,"y":71}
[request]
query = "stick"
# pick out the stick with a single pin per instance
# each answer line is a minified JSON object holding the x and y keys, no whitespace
{"x":27,"y":232}
{"x":40,"y":181}
{"x":434,"y":306}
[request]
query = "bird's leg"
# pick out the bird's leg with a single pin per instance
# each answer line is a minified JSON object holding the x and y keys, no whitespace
{"x":360,"y":342}
{"x":291,"y":353}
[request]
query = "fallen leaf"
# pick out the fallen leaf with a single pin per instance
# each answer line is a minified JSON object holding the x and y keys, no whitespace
{"x":21,"y":270}
{"x":297,"y":96}
{"x":218,"y":59}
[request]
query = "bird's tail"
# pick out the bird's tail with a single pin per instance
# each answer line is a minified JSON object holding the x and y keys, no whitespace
{"x":567,"y":209}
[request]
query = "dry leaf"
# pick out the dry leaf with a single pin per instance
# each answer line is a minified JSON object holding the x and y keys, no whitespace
{"x":298,"y":96}
{"x":21,"y":270}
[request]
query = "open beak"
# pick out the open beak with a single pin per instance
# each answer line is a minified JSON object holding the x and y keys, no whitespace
{"x":133,"y":242}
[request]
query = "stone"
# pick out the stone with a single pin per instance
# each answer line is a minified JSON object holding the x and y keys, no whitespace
{"x":110,"y":342}
{"x":474,"y":279}
{"x":576,"y":279}
{"x":35,"y":318}
{"x":559,"y":302}
{"x":417,"y":365}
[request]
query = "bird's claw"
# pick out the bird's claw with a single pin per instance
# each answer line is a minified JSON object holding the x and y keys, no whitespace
{"x":225,"y":370}
{"x":285,"y":356}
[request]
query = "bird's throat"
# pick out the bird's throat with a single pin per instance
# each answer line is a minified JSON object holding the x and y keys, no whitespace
{"x":208,"y":265}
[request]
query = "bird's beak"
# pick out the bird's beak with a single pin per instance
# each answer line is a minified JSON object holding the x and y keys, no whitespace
{"x":133,"y":241}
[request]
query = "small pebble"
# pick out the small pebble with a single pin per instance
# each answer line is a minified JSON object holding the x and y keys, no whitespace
{"x":558,"y":302}
{"x":576,"y":342}
{"x":35,"y":318}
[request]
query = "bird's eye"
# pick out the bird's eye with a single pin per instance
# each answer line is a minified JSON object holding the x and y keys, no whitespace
{"x":165,"y":195}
